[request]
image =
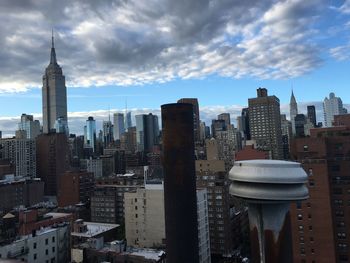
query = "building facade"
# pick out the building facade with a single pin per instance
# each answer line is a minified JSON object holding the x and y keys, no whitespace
{"x":265,"y":123}
{"x":118,"y":125}
{"x":54,"y":93}
{"x":325,"y":158}
{"x":31,"y":126}
{"x":332,"y":106}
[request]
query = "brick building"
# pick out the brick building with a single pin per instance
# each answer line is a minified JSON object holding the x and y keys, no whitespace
{"x":321,"y":224}
{"x":75,"y":187}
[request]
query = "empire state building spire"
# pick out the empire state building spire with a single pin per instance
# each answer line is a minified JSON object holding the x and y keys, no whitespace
{"x":53,"y":52}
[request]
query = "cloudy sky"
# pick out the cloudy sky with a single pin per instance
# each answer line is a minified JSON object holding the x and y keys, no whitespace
{"x":156,"y":51}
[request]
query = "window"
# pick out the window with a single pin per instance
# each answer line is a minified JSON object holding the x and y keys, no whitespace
{"x":298,"y":205}
{"x":53,"y":239}
{"x":53,"y":249}
{"x":300,"y":217}
{"x":310,"y":228}
{"x":34,"y":256}
{"x":34,"y":245}
{"x":46,"y":252}
{"x":311,"y":182}
{"x":311,"y":239}
{"x":46,"y":241}
{"x":310,"y":172}
{"x":306,"y":148}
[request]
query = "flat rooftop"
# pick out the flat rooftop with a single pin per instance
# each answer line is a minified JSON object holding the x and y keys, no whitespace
{"x":95,"y":229}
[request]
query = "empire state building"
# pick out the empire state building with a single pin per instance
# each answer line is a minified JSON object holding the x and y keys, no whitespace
{"x":54,"y":95}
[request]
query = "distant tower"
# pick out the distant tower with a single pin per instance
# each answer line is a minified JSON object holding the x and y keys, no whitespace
{"x":332,"y":106}
{"x":311,"y":114}
{"x":118,"y":125}
{"x":268,"y":187}
{"x":293,"y":107}
{"x":90,"y":134}
{"x":54,"y":94}
{"x":196,"y":121}
{"x":265,"y":123}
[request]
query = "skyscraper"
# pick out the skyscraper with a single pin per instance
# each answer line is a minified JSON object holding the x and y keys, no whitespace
{"x":245,"y":123}
{"x":107,"y":133}
{"x":265,"y":123}
{"x":332,"y":106}
{"x":293,"y":107}
{"x":31,"y":127}
{"x":194,"y":102}
{"x":54,"y":94}
{"x":128,"y":122}
{"x":311,"y":114}
{"x":147,"y":131}
{"x":118,"y":125}
{"x":226,"y":117}
{"x":90,"y":134}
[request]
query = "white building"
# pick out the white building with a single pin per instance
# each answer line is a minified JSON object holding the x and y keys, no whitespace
{"x":31,"y":126}
{"x":93,"y":166}
{"x":21,"y":152}
{"x":145,"y":219}
{"x":332,"y":106}
{"x":50,"y":244}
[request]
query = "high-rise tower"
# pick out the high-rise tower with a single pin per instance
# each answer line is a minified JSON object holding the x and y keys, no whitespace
{"x":54,"y":93}
{"x":293,"y":107}
{"x":265,"y":123}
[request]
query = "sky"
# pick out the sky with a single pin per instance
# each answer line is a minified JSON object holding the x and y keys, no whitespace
{"x":148,"y":53}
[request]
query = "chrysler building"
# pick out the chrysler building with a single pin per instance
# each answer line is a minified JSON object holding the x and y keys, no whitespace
{"x":54,"y":96}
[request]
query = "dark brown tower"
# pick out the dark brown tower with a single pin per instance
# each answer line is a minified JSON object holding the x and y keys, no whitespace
{"x":179,"y":183}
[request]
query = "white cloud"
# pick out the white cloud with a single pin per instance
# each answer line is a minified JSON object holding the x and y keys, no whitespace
{"x":136,"y":42}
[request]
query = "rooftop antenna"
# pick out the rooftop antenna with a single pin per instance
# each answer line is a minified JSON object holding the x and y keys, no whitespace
{"x":109,"y":113}
{"x":52,"y":39}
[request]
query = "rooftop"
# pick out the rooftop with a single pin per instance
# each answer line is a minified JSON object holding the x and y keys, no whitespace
{"x":95,"y":229}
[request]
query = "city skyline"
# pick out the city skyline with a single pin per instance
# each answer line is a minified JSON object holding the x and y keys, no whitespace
{"x":224,"y":67}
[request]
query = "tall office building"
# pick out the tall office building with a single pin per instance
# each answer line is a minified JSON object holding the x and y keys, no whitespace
{"x":118,"y":125}
{"x":147,"y":131}
{"x":31,"y":126}
{"x":196,"y":120}
{"x":90,"y":134}
{"x":245,"y":123}
{"x":128,"y":122}
{"x":332,"y":106}
{"x":21,"y":152}
{"x":212,"y":175}
{"x":321,"y":224}
{"x":286,"y":127}
{"x":265,"y":123}
{"x":311,"y":114}
{"x":54,"y":93}
{"x":226,"y":117}
{"x":61,"y":126}
{"x":293,"y":111}
{"x":25,"y":155}
{"x":107,"y":133}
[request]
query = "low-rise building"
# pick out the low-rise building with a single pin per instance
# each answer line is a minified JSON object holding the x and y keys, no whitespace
{"x":50,"y":244}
